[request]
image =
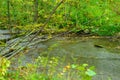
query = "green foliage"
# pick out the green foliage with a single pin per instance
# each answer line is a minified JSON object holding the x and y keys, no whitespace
{"x":108,"y":30}
{"x":52,"y":69}
{"x":100,"y":17}
{"x":2,"y":44}
{"x":4,"y":64}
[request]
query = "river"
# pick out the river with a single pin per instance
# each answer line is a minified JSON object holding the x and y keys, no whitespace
{"x":106,"y":58}
{"x":103,"y":53}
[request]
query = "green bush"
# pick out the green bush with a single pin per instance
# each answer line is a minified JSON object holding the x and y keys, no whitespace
{"x":4,"y":64}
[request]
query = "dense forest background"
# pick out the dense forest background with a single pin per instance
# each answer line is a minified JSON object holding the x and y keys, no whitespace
{"x":101,"y":17}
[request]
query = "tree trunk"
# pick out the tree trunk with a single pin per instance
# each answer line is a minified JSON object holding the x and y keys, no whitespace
{"x":8,"y":13}
{"x":35,"y":11}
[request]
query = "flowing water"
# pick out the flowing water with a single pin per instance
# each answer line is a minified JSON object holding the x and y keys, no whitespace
{"x":105,"y":57}
{"x":4,"y":34}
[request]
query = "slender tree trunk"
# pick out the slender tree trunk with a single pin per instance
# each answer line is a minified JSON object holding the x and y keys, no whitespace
{"x":35,"y":11}
{"x":8,"y":13}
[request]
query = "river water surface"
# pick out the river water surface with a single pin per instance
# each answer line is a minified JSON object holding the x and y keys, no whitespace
{"x":105,"y":57}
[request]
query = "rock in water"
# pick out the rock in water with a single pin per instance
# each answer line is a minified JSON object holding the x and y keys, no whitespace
{"x":98,"y":46}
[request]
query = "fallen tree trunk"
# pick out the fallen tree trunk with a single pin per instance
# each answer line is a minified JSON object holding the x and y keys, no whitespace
{"x":16,"y":47}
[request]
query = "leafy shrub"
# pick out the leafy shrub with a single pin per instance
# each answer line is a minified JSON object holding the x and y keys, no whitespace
{"x":4,"y":64}
{"x":98,"y":14}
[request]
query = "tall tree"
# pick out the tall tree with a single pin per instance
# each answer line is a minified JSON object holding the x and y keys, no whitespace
{"x":35,"y":11}
{"x":8,"y":11}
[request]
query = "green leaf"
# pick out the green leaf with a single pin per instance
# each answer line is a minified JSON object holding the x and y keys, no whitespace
{"x":2,"y":78}
{"x":73,"y":66}
{"x":85,"y":65}
{"x":90,"y":72}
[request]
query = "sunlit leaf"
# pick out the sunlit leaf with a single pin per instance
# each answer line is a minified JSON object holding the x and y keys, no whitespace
{"x":73,"y":66}
{"x":85,"y":65}
{"x":90,"y":72}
